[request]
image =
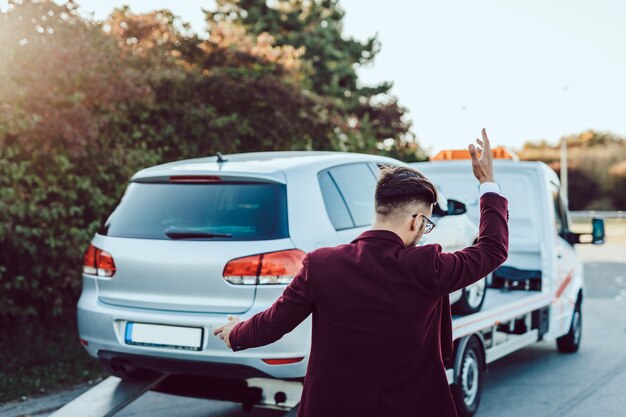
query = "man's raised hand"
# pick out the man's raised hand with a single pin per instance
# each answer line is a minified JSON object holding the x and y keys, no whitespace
{"x":483,"y":165}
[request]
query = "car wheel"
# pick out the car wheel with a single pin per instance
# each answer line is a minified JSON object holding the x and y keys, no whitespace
{"x":468,"y":384}
{"x":472,"y":299}
{"x":570,"y":343}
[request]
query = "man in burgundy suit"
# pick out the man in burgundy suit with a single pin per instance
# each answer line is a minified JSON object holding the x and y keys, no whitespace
{"x":382,"y":328}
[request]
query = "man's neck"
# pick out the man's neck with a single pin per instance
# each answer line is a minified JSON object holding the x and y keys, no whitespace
{"x":388,"y":228}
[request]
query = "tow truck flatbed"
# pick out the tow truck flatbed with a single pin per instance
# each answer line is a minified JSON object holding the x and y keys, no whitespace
{"x":500,"y":306}
{"x":505,"y":324}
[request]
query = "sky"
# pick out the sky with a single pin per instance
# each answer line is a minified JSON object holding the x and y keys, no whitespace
{"x":523,"y":69}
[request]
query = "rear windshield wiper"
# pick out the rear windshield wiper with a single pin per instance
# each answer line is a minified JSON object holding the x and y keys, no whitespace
{"x":192,"y":234}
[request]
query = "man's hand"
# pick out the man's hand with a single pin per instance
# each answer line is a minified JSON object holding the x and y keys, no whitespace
{"x":483,"y":166}
{"x":224,"y":331}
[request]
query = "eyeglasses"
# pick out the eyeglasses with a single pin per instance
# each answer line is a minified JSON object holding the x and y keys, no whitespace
{"x":429,"y":225}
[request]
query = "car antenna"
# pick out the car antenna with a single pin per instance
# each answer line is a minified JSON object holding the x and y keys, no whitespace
{"x":220,"y":158}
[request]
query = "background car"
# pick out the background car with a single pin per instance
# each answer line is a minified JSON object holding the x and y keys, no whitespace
{"x":191,"y":242}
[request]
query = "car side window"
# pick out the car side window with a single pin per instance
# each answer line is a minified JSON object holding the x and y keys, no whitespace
{"x":375,"y":168}
{"x":357,"y":184}
{"x":335,"y":205}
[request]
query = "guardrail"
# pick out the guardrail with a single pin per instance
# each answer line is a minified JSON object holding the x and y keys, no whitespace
{"x":598,"y":213}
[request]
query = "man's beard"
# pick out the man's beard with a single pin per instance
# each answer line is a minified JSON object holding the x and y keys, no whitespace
{"x":414,"y":242}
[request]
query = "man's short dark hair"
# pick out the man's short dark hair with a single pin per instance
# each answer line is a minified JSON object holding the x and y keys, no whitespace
{"x":398,"y":187}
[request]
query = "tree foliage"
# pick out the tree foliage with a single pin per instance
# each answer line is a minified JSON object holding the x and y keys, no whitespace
{"x":618,"y":184}
{"x":84,"y":105}
{"x":369,"y":117}
{"x":594,"y":161}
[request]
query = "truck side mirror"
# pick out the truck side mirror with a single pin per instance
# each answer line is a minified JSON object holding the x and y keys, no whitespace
{"x":597,"y":234}
{"x":456,"y":207}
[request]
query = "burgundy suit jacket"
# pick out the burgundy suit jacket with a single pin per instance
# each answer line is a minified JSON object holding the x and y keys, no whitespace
{"x":382,"y":327}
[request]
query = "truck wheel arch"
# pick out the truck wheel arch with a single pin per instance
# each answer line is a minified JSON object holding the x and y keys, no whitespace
{"x":459,"y":348}
{"x":469,"y":369}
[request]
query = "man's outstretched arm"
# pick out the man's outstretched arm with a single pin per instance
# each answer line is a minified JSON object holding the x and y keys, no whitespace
{"x":293,"y":306}
{"x":460,"y":269}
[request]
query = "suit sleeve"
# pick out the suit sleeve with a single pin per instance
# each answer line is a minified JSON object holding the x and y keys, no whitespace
{"x":293,"y":306}
{"x":456,"y":270}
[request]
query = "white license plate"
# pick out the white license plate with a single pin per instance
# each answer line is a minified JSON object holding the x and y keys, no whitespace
{"x":158,"y":335}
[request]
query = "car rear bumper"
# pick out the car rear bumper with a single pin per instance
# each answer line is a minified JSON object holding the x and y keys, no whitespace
{"x":177,"y":366}
{"x":102,"y":326}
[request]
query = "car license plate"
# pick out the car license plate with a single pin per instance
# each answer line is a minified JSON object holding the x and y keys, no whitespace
{"x":158,"y":335}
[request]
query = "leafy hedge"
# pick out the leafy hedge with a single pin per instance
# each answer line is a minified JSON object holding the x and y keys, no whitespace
{"x":84,"y":105}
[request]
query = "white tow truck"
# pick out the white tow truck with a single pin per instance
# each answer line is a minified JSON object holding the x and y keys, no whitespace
{"x":535,"y":296}
{"x":538,"y":293}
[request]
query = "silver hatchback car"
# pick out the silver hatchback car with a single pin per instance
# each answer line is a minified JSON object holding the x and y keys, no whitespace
{"x":191,"y":242}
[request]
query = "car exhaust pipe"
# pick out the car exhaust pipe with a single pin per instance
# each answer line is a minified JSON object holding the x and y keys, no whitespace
{"x":253,"y":397}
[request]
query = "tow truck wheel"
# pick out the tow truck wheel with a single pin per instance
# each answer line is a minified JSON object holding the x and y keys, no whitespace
{"x":570,"y":343}
{"x":468,"y":384}
{"x":472,"y":299}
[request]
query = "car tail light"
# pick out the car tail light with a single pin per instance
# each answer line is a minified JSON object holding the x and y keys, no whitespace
{"x":285,"y":361}
{"x":266,"y":268}
{"x":98,"y":262}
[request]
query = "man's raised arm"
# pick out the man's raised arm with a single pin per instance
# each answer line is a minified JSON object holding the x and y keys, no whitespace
{"x":453,"y":271}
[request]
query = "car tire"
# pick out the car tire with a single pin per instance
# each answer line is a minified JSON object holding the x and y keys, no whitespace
{"x":472,"y":299}
{"x":570,"y":343}
{"x":468,"y":384}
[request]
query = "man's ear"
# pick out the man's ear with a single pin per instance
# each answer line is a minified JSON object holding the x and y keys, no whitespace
{"x":415,"y":221}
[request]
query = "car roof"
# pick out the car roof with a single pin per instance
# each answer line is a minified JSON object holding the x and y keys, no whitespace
{"x":272,"y":166}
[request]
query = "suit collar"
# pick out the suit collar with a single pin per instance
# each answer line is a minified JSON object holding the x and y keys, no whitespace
{"x":380,"y":234}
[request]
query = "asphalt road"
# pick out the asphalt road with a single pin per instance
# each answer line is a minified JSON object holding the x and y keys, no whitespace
{"x":536,"y":381}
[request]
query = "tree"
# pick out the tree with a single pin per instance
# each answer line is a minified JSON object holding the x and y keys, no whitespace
{"x":618,"y":185}
{"x":590,"y":154}
{"x":230,"y":93}
{"x":369,"y":117}
{"x":583,"y":189}
{"x":86,"y":104}
{"x":61,"y":77}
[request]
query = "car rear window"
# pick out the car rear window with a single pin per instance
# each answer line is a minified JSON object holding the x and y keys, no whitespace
{"x":236,"y":211}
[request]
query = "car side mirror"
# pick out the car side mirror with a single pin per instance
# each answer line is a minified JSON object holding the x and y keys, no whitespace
{"x":456,"y":207}
{"x":597,"y":234}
